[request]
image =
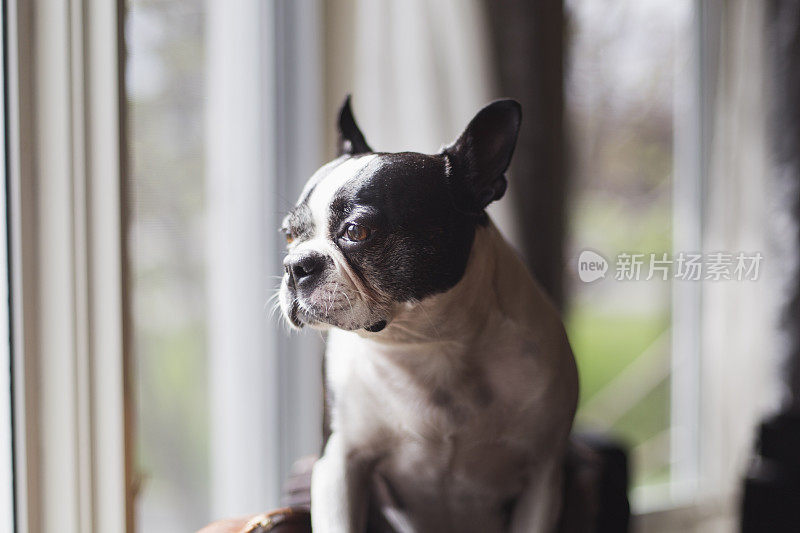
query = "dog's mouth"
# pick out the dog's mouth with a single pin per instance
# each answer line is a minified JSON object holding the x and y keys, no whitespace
{"x":294,"y":316}
{"x":298,"y":317}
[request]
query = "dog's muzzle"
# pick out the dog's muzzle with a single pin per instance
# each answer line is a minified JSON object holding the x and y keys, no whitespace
{"x":305,"y":273}
{"x":304,"y":270}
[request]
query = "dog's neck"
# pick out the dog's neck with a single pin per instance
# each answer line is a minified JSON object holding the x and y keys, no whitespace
{"x":457,"y":315}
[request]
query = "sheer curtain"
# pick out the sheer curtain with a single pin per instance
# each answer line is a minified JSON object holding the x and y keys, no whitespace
{"x":739,"y":351}
{"x":418,"y":72}
{"x":263,"y":140}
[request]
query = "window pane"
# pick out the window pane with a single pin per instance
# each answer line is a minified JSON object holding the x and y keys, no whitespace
{"x":620,"y":93}
{"x":165,"y":100}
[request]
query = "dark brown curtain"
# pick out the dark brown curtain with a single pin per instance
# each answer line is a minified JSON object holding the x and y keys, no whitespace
{"x":528,"y":51}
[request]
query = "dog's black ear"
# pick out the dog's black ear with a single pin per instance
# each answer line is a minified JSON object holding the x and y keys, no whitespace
{"x":351,"y":140}
{"x":480,"y":156}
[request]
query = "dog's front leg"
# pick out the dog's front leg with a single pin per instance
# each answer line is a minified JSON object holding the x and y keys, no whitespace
{"x":539,"y":506}
{"x":339,"y":490}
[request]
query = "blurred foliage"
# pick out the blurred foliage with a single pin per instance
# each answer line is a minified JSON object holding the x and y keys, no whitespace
{"x":605,"y":344}
{"x":165,"y":80}
{"x":620,"y":99}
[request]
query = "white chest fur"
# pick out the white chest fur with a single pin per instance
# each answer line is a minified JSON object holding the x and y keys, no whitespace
{"x":459,"y":400}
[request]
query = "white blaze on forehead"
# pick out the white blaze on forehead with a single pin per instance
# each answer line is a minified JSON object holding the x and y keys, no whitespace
{"x":312,"y":181}
{"x":321,"y":197}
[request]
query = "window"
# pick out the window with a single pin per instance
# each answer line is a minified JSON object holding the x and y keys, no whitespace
{"x":166,"y":203}
{"x":196,"y":404}
{"x":665,"y":102}
{"x":627,"y":63}
{"x":224,"y":131}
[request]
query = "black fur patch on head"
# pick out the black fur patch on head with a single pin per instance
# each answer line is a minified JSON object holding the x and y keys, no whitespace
{"x":481,"y":155}
{"x":416,"y":214}
{"x":419,"y":241}
{"x":351,"y":140}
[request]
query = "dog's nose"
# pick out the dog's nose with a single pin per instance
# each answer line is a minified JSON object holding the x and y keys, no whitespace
{"x":305,"y":268}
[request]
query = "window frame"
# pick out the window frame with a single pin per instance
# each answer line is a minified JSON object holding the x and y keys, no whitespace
{"x":66,"y":219}
{"x":6,"y":418}
{"x":718,"y":427}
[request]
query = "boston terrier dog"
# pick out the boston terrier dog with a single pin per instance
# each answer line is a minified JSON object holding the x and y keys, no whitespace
{"x":451,"y":383}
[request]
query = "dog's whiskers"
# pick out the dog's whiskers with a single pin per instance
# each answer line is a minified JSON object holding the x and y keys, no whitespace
{"x":348,"y":301}
{"x":333,"y":295}
{"x":275,"y":307}
{"x":276,"y":303}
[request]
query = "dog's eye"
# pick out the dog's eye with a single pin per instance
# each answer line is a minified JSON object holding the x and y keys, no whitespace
{"x":356,"y":232}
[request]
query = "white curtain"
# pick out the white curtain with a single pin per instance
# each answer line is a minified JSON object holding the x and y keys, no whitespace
{"x":262,"y":132}
{"x":418,"y":72}
{"x":739,"y":352}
